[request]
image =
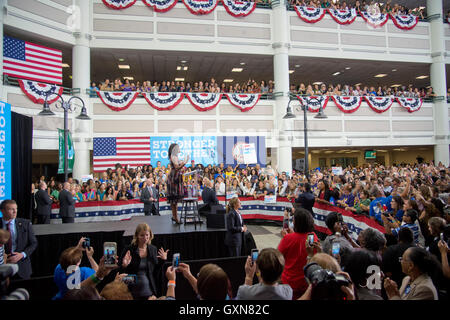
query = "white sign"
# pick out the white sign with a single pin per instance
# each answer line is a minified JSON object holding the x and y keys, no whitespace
{"x":231,"y":194}
{"x":336,"y":170}
{"x":86,"y":178}
{"x":270,"y":199}
{"x":249,"y":153}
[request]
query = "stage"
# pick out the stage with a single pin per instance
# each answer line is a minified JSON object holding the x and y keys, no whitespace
{"x":192,"y":243}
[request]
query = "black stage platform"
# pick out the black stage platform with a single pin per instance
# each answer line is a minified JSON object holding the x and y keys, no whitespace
{"x":191,"y":243}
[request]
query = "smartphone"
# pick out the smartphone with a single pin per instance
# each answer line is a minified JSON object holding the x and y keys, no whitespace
{"x":129,"y":279}
{"x":285,"y":223}
{"x":86,"y":243}
{"x":310,"y":239}
{"x":110,"y":252}
{"x":336,"y":248}
{"x":442,"y":236}
{"x":254,"y":254}
{"x":175,"y":260}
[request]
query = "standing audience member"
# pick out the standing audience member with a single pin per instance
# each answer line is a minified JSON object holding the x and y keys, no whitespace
{"x":22,"y":241}
{"x":268,"y":267}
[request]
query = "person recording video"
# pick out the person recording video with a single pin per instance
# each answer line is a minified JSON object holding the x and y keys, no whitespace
{"x":306,"y":199}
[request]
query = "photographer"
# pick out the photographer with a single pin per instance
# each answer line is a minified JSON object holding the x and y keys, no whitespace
{"x":7,"y":271}
{"x":293,"y":248}
{"x":339,"y":234}
{"x":306,"y":199}
{"x":268,"y":268}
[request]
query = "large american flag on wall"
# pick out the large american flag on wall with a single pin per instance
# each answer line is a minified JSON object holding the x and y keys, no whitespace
{"x":26,"y":60}
{"x":132,"y":151}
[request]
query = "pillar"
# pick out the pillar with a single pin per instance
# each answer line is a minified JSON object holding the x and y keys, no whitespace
{"x":281,"y":78}
{"x":3,"y":96}
{"x":438,"y":82}
{"x":81,"y":70}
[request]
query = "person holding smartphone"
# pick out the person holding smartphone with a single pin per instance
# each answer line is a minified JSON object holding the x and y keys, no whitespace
{"x":145,"y":261}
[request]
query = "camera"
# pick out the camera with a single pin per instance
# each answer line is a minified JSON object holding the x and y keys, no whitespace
{"x":289,"y":210}
{"x":325,"y":284}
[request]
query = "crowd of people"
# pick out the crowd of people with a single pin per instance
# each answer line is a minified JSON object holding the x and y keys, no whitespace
{"x":366,"y":6}
{"x":411,"y":202}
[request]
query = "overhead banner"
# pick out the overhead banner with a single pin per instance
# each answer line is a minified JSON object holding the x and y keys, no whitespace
{"x":70,"y":150}
{"x":5,"y":151}
{"x":201,"y":149}
{"x":231,"y":150}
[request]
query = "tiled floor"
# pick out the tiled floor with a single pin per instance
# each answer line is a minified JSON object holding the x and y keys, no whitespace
{"x":265,"y":236}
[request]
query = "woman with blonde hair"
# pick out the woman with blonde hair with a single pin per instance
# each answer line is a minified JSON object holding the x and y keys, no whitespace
{"x":144,"y":260}
{"x":235,"y":227}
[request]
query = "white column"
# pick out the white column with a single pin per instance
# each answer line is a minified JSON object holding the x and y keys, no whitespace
{"x":438,"y":82}
{"x":281,"y":47}
{"x":81,"y":70}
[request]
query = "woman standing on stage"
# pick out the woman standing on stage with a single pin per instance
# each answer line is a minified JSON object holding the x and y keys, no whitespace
{"x":175,"y":189}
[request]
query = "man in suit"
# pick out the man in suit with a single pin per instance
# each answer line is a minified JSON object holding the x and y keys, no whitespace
{"x":235,"y":228}
{"x":149,"y":196}
{"x":22,"y":241}
{"x":306,"y":199}
{"x":66,"y":204}
{"x":44,"y":204}
{"x":209,"y":198}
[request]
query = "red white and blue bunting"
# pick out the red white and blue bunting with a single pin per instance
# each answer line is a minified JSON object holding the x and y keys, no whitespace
{"x":343,"y":16}
{"x":37,"y":92}
{"x":375,"y":20}
{"x":163,"y":101}
{"x":119,"y":4}
{"x":201,"y":6}
{"x":314,"y":102}
{"x":244,"y":102}
{"x":347,"y":104}
{"x":117,"y":101}
{"x":310,"y":14}
{"x":379,"y":104}
{"x":160,"y":5}
{"x":204,"y":101}
{"x":239,"y":8}
{"x":411,"y":104}
{"x":405,"y":22}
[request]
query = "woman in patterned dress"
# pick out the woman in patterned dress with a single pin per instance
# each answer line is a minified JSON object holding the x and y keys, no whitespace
{"x":175,"y":189}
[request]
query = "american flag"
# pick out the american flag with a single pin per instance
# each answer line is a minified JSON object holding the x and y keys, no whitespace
{"x":26,"y":60}
{"x":132,"y":151}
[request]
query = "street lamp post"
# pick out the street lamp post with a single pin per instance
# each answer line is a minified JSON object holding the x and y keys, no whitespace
{"x":66,"y":106}
{"x":291,"y":115}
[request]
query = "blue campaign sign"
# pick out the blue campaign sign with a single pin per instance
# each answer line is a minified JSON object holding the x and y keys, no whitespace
{"x":201,"y":149}
{"x":5,"y":151}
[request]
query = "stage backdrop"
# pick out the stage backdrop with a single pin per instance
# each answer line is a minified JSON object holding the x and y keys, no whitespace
{"x":5,"y":151}
{"x":21,"y":158}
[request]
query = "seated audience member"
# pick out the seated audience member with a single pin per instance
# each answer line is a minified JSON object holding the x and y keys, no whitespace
{"x":268,"y":267}
{"x":212,"y":282}
{"x":409,"y":219}
{"x":391,"y":265}
{"x":144,"y":260}
{"x":209,"y":197}
{"x":293,"y":248}
{"x":339,"y":234}
{"x":361,"y":204}
{"x":356,"y":265}
{"x":420,"y":268}
{"x":70,"y":258}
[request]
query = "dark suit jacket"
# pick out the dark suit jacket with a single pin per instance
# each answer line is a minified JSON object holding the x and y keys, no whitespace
{"x":145,"y":198}
{"x":153,"y":264}
{"x":43,"y":202}
{"x":26,"y":242}
{"x":66,"y":204}
{"x":306,"y":200}
{"x":233,"y":237}
{"x":209,"y":200}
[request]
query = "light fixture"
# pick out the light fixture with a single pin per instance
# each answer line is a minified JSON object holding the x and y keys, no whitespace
{"x":183,"y":61}
{"x":422,"y":77}
{"x":185,"y":68}
{"x":124,"y":66}
{"x":289,"y":114}
{"x":121,"y":59}
{"x":179,"y":79}
{"x":128,"y":78}
{"x":297,"y":66}
{"x":178,"y":68}
{"x":348,"y":68}
{"x":242,"y":63}
{"x":291,"y":71}
{"x":396,"y":85}
{"x":381,"y":75}
{"x":336,"y":73}
{"x":237,"y":70}
{"x":394,"y":70}
{"x":318,"y":82}
{"x":65,"y":65}
{"x":228,"y":80}
{"x":358,"y":84}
